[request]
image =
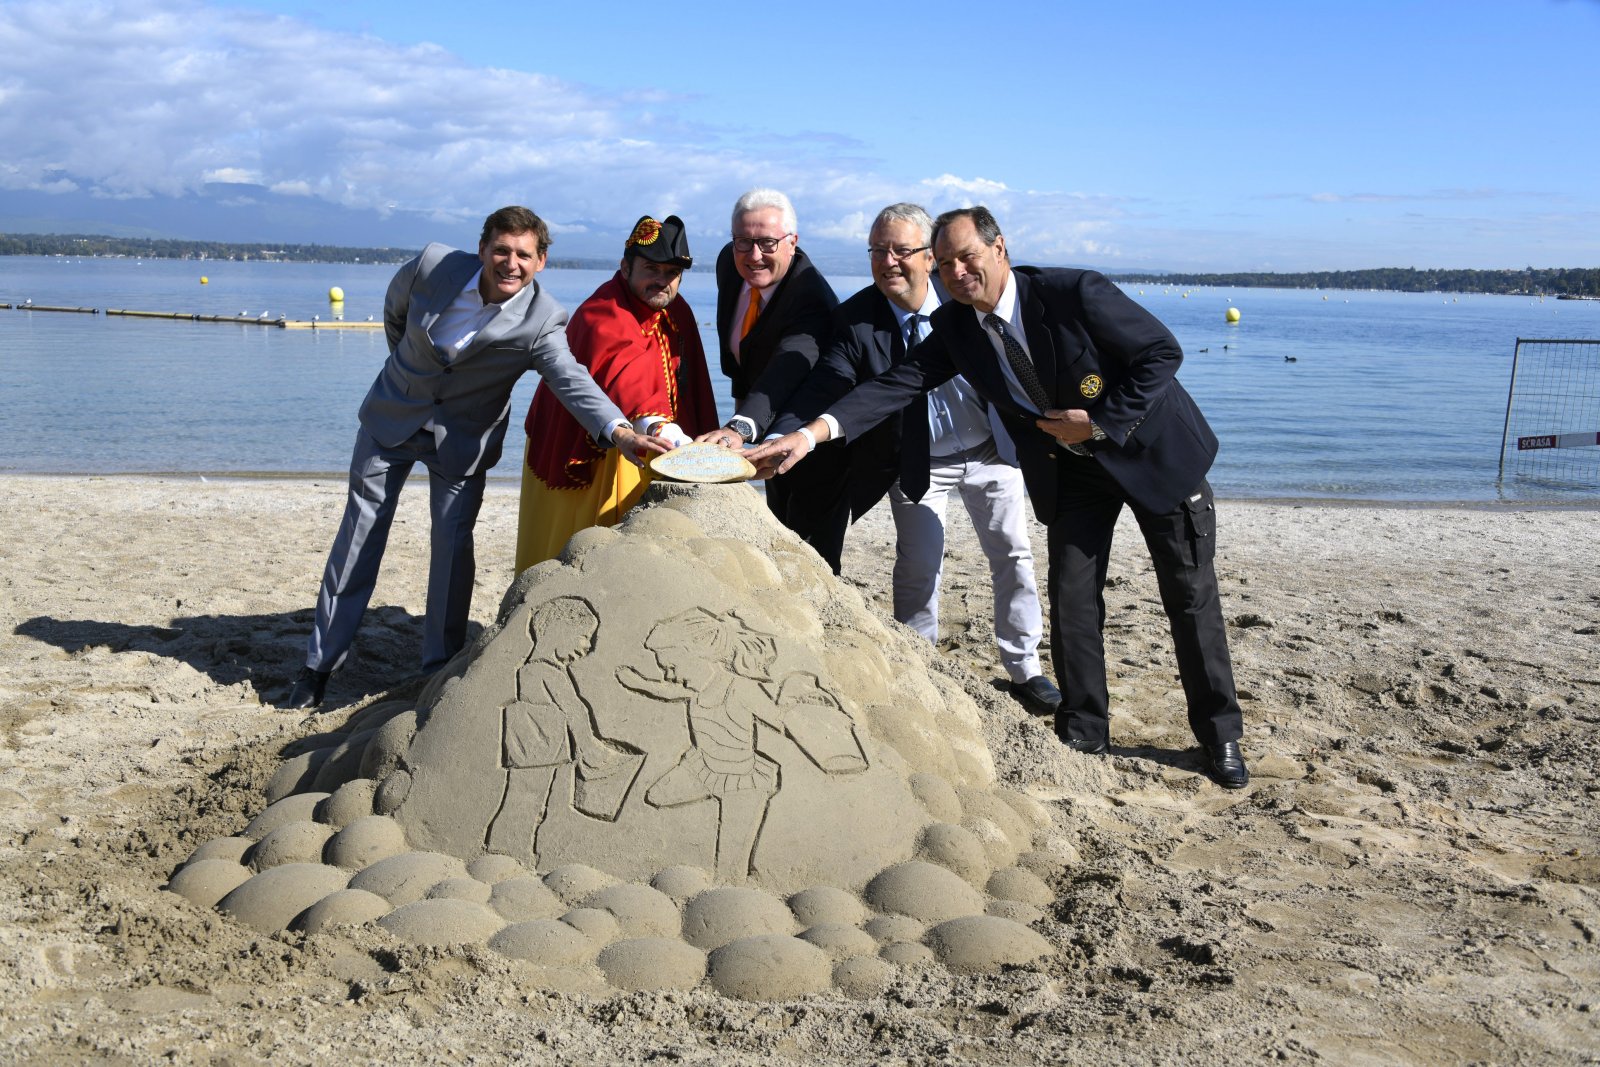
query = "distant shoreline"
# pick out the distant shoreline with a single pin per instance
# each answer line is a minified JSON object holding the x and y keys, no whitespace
{"x":1553,"y":281}
{"x":98,"y":246}
{"x":1561,"y":282}
{"x":507,"y":481}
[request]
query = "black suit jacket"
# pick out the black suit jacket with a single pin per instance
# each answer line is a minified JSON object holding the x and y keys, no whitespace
{"x":1094,"y":349}
{"x":866,"y":342}
{"x":793,"y":329}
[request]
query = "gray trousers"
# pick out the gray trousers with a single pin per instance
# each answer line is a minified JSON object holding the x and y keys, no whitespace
{"x":997,"y":502}
{"x":377,"y":474}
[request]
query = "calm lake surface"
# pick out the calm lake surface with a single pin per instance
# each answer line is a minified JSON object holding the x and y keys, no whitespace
{"x":1389,"y":396}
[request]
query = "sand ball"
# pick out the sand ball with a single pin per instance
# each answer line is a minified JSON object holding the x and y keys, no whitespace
{"x":204,"y":882}
{"x":652,"y":963}
{"x":923,"y":891}
{"x":769,"y":967}
{"x":442,"y":922}
{"x":681,"y":882}
{"x":826,"y":904}
{"x":546,"y":942}
{"x":727,"y":913}
{"x":364,"y":842}
{"x":272,"y":899}
{"x":346,"y":907}
{"x":640,"y":910}
{"x":524,"y":898}
{"x":405,"y":878}
{"x":977,"y":944}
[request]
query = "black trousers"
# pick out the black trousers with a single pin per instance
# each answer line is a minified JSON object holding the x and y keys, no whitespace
{"x":813,"y":501}
{"x":1182,"y":544}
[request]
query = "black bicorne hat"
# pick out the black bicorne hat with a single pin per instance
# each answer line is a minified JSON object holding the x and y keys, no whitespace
{"x":660,"y":242}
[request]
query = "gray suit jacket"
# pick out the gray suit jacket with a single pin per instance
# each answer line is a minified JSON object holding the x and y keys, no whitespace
{"x":470,"y":398}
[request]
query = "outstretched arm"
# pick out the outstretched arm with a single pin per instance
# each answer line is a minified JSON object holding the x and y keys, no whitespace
{"x":779,"y":455}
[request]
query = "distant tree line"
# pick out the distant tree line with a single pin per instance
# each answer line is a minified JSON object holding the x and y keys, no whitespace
{"x":53,"y":244}
{"x":1558,"y":281}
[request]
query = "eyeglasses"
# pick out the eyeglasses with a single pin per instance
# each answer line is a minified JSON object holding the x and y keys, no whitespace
{"x":898,"y":253}
{"x":768,"y":245}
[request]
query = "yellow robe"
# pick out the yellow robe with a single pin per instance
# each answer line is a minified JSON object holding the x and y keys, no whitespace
{"x":547,"y":518}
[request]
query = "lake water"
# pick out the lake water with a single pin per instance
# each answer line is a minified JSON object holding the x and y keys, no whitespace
{"x":1390,"y":396}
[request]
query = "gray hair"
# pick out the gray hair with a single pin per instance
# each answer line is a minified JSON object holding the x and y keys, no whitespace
{"x":760,"y":198}
{"x":912,"y":213}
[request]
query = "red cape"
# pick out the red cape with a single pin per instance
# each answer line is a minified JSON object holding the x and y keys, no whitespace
{"x":650,"y":363}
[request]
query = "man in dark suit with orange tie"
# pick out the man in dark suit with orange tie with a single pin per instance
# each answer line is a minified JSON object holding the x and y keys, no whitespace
{"x":1085,"y":380}
{"x":774,"y":318}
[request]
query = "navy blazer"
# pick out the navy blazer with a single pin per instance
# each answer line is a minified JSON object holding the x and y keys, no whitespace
{"x":789,"y":335}
{"x":867,"y":340}
{"x":1094,"y":348}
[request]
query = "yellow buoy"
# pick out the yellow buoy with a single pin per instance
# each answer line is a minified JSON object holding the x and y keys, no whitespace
{"x":1233,"y":315}
{"x":204,"y":280}
{"x":336,"y":294}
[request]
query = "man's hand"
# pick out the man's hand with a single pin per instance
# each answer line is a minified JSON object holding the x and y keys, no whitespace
{"x":722,"y":436}
{"x":630,"y":442}
{"x":779,"y":455}
{"x":1070,"y":426}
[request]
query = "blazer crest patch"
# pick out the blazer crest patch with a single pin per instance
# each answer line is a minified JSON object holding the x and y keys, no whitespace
{"x":1091,"y":386}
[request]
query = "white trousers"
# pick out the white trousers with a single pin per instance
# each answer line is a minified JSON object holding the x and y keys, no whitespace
{"x":998,"y":504}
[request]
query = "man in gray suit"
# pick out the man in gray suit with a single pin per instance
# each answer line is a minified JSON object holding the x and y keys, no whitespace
{"x":462,"y":329}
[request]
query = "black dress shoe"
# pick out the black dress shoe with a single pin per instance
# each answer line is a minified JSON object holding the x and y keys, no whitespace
{"x":1038,"y":694}
{"x":1087,"y":747}
{"x":307,"y":689}
{"x":1227,"y":765}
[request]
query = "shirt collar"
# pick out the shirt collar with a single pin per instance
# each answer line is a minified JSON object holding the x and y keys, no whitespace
{"x":930,"y":302}
{"x":1006,"y":306}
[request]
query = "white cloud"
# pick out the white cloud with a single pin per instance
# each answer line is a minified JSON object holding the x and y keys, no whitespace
{"x":181,"y":95}
{"x":232,"y":176}
{"x":133,"y":99}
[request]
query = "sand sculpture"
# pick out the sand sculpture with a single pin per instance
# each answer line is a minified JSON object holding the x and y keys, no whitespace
{"x":685,"y":754}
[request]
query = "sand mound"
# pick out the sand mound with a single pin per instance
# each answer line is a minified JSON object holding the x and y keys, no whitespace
{"x":684,"y":754}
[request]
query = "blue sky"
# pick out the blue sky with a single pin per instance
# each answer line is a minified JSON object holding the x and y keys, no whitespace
{"x":1186,"y":136}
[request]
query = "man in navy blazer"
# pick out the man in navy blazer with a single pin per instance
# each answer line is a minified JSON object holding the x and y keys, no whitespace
{"x":946,"y":444}
{"x":462,"y":329}
{"x":1085,"y":380}
{"x":774,"y":319}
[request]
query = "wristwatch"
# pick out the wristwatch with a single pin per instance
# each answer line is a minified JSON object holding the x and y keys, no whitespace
{"x":1096,"y":433}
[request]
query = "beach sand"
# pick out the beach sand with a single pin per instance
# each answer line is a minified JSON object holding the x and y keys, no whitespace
{"x":1413,"y":876}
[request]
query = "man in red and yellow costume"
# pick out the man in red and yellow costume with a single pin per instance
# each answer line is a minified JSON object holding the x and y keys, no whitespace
{"x":639,"y":341}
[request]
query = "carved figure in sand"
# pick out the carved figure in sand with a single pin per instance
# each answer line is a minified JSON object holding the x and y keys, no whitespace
{"x":722,"y":671}
{"x":550,"y":726}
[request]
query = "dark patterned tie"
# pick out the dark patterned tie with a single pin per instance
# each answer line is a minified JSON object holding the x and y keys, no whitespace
{"x":1021,"y":365}
{"x":913,"y":330}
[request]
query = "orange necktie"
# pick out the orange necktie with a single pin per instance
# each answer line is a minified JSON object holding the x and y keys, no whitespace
{"x":751,"y":313}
